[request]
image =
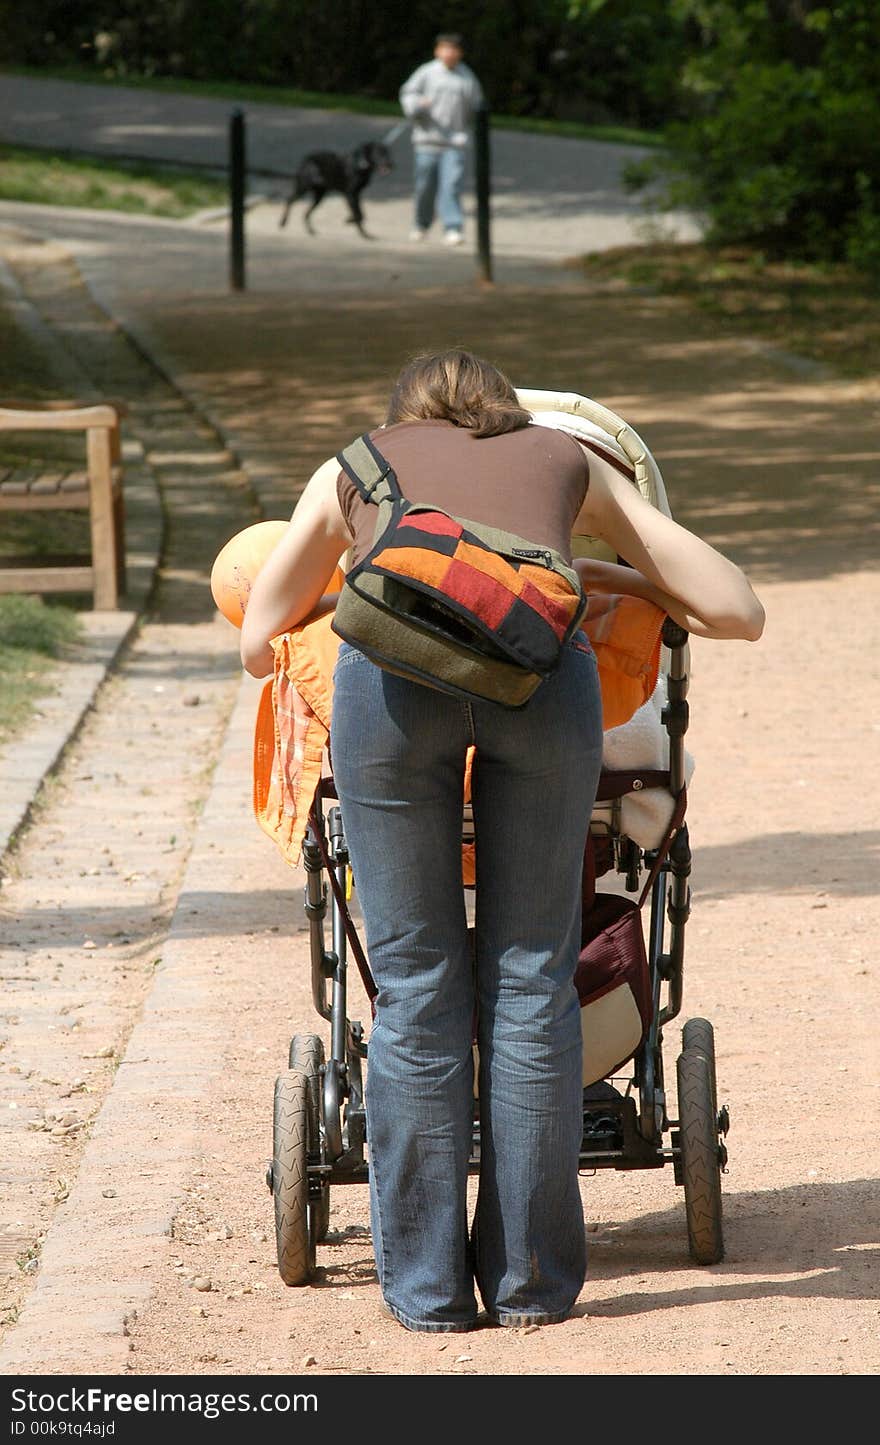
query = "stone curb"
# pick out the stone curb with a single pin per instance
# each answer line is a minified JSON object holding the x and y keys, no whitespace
{"x":99,"y":1249}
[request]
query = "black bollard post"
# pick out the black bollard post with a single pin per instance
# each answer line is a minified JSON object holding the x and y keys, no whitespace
{"x":237,"y":176}
{"x":483,"y":184}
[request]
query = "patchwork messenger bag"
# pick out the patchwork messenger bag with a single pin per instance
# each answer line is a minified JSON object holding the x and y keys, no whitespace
{"x":459,"y":606}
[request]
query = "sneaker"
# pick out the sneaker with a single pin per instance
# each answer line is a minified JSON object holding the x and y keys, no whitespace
{"x":453,"y":238}
{"x":417,"y":234}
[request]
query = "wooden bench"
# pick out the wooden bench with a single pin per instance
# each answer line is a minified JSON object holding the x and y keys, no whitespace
{"x":97,"y":489}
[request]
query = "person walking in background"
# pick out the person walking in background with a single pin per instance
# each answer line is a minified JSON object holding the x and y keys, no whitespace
{"x":440,"y":98}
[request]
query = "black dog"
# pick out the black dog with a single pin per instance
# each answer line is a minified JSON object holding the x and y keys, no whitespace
{"x":324,"y":171}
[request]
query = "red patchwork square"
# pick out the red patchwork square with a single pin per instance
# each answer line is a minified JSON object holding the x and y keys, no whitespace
{"x":434,"y":522}
{"x":483,"y":595}
{"x":557,"y":614}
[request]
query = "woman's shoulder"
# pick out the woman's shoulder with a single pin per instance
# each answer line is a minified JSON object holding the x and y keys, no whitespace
{"x":557,"y":446}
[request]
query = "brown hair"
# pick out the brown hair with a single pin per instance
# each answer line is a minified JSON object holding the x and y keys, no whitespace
{"x":459,"y":387}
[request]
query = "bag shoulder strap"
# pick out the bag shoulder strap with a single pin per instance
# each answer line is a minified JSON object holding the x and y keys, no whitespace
{"x":373,"y":476}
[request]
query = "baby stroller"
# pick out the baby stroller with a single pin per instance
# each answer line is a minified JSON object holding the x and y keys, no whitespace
{"x":629,"y":977}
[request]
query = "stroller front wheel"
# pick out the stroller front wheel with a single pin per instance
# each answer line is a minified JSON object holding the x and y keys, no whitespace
{"x":307,"y":1056}
{"x":701,"y":1157}
{"x":290,"y":1178}
{"x":698,"y":1036}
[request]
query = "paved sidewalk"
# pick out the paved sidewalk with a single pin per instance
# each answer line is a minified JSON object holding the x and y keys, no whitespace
{"x":91,"y":885}
{"x":30,"y":757}
{"x":105,"y":1252}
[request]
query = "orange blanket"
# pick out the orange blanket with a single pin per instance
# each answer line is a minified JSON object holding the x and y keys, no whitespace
{"x":293,"y":719}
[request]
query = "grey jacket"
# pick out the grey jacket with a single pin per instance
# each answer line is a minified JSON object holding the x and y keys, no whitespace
{"x":441,"y":103}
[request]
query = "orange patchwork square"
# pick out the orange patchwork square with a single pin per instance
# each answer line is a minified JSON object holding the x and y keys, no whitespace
{"x":550,"y":595}
{"x":420,"y":563}
{"x":490,"y":564}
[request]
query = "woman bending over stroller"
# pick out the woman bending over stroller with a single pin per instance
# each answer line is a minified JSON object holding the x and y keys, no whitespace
{"x":458,"y":439}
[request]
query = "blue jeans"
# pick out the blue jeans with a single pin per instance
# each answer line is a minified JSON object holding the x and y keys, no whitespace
{"x":439,"y":173}
{"x":398,"y":757}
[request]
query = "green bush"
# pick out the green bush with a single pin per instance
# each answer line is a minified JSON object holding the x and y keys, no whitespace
{"x":863,"y":237}
{"x":779,"y":147}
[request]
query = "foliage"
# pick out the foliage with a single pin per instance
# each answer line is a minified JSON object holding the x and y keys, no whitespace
{"x":583,"y":60}
{"x":780,"y":143}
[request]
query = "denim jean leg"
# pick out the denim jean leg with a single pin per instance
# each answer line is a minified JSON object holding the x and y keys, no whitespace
{"x":426,"y":161}
{"x":449,"y":185}
{"x":534,"y":785}
{"x":398,"y":757}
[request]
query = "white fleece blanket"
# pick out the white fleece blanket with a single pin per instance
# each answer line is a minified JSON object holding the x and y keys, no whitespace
{"x":643,"y":743}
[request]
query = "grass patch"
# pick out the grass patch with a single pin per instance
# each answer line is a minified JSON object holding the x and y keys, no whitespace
{"x":31,"y":632}
{"x":830,"y":314}
{"x":321,"y":100}
{"x":579,"y":130}
{"x":71,"y":180}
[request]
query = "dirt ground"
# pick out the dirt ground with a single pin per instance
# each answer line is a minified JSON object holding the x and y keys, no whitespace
{"x":777,"y":468}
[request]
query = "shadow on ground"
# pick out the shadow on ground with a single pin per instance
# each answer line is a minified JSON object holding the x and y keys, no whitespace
{"x":778,"y":471}
{"x":843,"y":865}
{"x":825,"y":1233}
{"x":772,"y":865}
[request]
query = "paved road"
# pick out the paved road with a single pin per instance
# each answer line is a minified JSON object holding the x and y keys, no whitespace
{"x":553,"y":197}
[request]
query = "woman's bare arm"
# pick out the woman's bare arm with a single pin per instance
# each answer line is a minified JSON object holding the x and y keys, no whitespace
{"x":702,"y":590}
{"x":292,"y":582}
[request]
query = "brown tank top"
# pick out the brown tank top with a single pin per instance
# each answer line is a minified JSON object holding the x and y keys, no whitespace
{"x":531,"y":482}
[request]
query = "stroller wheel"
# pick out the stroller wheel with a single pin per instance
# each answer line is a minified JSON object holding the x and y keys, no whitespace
{"x":290,"y":1179}
{"x":698,"y":1035}
{"x":307,"y":1057}
{"x":701,"y":1157}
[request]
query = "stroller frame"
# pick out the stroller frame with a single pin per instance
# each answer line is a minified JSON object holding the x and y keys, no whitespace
{"x":320,"y":1118}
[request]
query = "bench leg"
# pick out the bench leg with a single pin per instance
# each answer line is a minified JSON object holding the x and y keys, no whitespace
{"x":99,"y":450}
{"x":119,"y":540}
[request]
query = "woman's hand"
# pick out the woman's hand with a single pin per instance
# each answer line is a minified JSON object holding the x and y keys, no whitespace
{"x":292,"y":582}
{"x":698,"y":587}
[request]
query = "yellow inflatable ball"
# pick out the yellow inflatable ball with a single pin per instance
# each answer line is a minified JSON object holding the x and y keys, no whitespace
{"x":237,"y":565}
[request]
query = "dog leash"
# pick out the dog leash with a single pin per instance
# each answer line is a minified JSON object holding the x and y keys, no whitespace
{"x":396,"y":132}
